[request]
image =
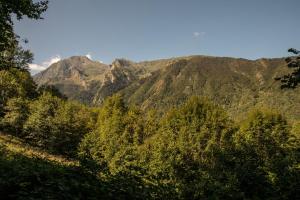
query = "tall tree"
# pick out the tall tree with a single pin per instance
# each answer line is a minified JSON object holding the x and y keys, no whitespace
{"x":11,"y":55}
{"x":15,"y":80}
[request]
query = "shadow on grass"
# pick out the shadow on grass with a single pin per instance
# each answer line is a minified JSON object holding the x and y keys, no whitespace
{"x":34,"y":178}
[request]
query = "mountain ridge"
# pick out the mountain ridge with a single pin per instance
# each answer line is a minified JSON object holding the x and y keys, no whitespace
{"x":237,"y":84}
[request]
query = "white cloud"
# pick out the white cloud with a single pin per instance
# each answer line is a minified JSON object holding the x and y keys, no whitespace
{"x":197,"y":34}
{"x":35,"y":68}
{"x":89,"y":56}
{"x":51,"y":61}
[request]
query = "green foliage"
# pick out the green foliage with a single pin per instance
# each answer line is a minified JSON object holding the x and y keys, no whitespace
{"x":15,"y":80}
{"x":16,"y":115}
{"x":267,"y":158}
{"x":195,"y":151}
{"x":57,"y":125}
{"x":191,"y":146}
{"x":11,"y":55}
{"x":15,"y":84}
{"x":292,"y":79}
{"x":118,"y":132}
{"x":70,"y":123}
{"x":39,"y":124}
{"x":24,"y":177}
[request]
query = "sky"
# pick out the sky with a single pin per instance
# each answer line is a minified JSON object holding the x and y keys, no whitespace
{"x":152,"y":29}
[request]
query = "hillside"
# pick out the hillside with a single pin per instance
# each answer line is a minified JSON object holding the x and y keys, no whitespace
{"x":31,"y":173}
{"x":27,"y":172}
{"x":236,"y":84}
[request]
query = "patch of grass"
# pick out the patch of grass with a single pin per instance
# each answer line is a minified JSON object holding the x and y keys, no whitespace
{"x":18,"y":146}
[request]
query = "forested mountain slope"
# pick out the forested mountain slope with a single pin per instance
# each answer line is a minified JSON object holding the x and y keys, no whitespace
{"x":236,"y":84}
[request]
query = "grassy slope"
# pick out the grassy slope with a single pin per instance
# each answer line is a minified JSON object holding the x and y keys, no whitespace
{"x":30,"y":173}
{"x":17,"y":146}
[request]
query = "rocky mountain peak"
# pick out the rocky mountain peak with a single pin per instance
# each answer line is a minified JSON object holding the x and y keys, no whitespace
{"x":77,"y":60}
{"x":121,"y":62}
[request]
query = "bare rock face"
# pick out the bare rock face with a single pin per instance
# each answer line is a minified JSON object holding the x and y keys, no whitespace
{"x":88,"y":81}
{"x":72,"y":76}
{"x":119,"y":76}
{"x":237,"y":84}
{"x":121,"y":63}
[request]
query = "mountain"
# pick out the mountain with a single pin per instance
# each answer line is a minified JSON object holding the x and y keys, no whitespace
{"x":237,"y":84}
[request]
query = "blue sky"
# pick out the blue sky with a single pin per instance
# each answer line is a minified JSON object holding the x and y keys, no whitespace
{"x":152,"y":29}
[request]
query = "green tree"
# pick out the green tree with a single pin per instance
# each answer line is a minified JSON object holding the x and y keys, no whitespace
{"x":292,"y":79}
{"x":267,"y":158}
{"x":70,"y":123}
{"x":40,"y":121}
{"x":57,"y":125}
{"x":15,"y":80}
{"x":14,"y":84}
{"x":11,"y":55}
{"x":189,"y":150}
{"x":16,"y":115}
{"x":113,"y":148}
{"x":118,"y":133}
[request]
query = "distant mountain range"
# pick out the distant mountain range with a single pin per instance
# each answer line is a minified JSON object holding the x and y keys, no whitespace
{"x":238,"y":85}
